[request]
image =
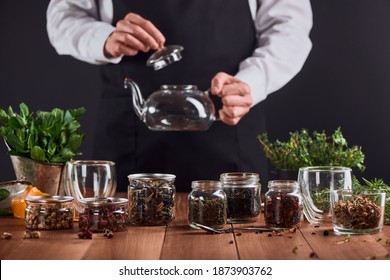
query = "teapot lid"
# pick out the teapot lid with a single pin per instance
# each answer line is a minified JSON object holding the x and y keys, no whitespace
{"x":165,"y":56}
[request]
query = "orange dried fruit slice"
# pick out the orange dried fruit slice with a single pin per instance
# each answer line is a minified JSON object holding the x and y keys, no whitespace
{"x":36,"y":192}
{"x":18,"y":206}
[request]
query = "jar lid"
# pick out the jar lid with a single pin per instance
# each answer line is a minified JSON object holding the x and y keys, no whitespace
{"x":49,"y":199}
{"x":151,"y":176}
{"x":165,"y":56}
{"x":240,"y":178}
{"x":97,"y":201}
{"x":206,"y":184}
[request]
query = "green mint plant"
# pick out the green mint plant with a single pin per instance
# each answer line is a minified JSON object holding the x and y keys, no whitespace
{"x":50,"y":137}
{"x":316,"y":149}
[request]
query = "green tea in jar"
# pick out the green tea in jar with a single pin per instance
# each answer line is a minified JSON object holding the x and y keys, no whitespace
{"x":207,"y":204}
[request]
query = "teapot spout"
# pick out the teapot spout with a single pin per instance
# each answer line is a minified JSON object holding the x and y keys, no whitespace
{"x":138,"y":100}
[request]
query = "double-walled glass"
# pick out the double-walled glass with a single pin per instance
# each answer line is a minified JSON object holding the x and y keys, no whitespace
{"x":90,"y":178}
{"x":316,"y":183}
{"x":358,"y":211}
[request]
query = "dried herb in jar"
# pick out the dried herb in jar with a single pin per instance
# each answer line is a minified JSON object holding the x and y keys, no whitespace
{"x":357,"y":213}
{"x":206,"y":210}
{"x":282,"y":209}
{"x":243,"y":203}
{"x":49,"y":213}
{"x":151,"y":201}
{"x":100,"y":214}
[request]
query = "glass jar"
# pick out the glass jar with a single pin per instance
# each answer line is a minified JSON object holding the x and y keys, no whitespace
{"x":49,"y":212}
{"x":100,"y":213}
{"x":207,"y":204}
{"x":283,"y":204}
{"x":151,"y":199}
{"x":243,"y":191}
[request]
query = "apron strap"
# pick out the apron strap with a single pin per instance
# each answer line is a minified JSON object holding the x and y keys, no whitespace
{"x":98,"y":10}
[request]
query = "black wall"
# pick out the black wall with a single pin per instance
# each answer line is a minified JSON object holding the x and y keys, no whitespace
{"x":345,"y":82}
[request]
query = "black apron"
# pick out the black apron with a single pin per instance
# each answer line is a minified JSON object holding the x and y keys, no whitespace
{"x":216,"y":35}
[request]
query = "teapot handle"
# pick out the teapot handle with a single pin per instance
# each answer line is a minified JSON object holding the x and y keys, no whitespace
{"x":215,"y":117}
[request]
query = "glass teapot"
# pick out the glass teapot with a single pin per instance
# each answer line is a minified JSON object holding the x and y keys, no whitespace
{"x":173,"y":107}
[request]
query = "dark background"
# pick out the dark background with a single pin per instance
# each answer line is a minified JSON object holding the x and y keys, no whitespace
{"x":345,"y":81}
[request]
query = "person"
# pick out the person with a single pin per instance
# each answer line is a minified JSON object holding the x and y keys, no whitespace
{"x":241,"y":50}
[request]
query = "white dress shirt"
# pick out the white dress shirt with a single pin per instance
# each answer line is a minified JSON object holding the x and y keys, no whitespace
{"x":282,"y":28}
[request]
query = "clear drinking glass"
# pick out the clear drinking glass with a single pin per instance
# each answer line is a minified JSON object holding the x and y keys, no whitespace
{"x":90,"y":178}
{"x":358,"y":211}
{"x":316,"y":183}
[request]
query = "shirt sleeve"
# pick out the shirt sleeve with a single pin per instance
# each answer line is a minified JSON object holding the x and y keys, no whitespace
{"x":73,"y":29}
{"x":282,"y":28}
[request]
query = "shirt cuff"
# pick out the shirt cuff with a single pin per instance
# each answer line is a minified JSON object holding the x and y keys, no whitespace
{"x":97,"y":44}
{"x":254,"y":78}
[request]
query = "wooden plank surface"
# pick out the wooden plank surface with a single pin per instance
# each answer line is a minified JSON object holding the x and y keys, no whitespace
{"x":344,"y":247}
{"x":278,"y":245}
{"x":183,"y":242}
{"x":179,"y":241}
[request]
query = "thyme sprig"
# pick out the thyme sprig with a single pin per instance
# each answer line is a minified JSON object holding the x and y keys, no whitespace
{"x":316,"y":149}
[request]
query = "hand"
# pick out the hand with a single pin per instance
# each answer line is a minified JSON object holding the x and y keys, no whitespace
{"x":131,"y":35}
{"x":235,"y":95}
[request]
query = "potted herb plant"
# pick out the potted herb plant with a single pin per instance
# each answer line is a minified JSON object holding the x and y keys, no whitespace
{"x":40,"y":144}
{"x":305,"y":149}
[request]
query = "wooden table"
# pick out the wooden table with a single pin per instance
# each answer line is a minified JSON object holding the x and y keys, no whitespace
{"x":179,"y":242}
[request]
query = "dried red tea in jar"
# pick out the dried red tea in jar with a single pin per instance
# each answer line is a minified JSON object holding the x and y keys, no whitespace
{"x":283,"y":204}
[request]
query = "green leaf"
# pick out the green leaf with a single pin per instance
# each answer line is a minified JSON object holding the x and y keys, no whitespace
{"x":58,"y":114}
{"x":24,"y":110}
{"x":14,"y":142}
{"x":3,"y":116}
{"x":4,"y":194}
{"x":37,"y":153}
{"x":51,"y":150}
{"x":67,"y":154}
{"x":78,"y":112}
{"x":10,"y":111}
{"x":15,"y":122}
{"x":75,"y":141}
{"x":73,"y":125}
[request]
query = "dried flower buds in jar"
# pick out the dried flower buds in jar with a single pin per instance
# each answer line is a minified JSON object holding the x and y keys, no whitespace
{"x":283,"y":204}
{"x":103,"y":213}
{"x":49,"y":212}
{"x":151,"y":199}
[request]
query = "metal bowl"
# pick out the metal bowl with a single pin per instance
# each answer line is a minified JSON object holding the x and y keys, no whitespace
{"x":8,"y":191}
